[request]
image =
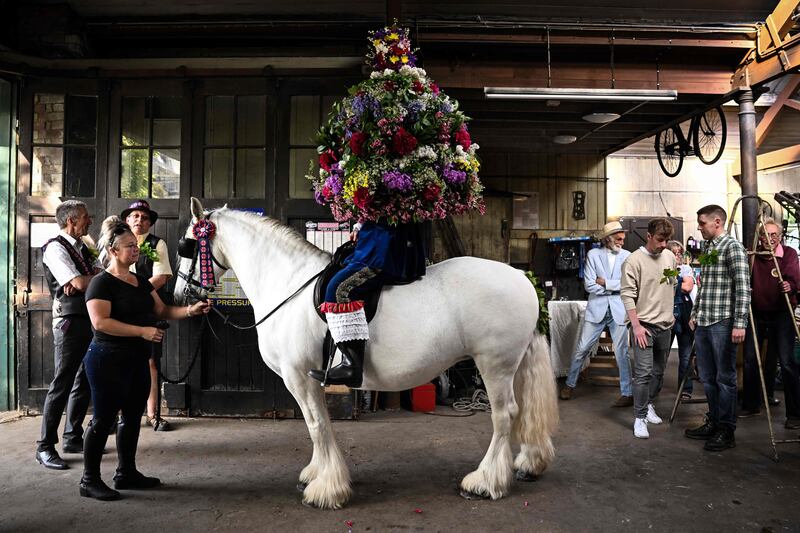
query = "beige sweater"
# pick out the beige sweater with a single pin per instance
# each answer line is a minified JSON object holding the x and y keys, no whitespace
{"x":642,"y":289}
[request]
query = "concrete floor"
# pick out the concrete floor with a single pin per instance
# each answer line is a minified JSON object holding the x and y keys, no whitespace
{"x":233,"y":474}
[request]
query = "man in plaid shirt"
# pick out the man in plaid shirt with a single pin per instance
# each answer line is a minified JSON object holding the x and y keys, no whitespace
{"x":719,"y":318}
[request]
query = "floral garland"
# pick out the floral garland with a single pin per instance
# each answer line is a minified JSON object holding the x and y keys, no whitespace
{"x":397,"y":148}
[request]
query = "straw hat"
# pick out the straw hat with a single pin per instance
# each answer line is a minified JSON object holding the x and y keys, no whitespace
{"x":610,"y":229}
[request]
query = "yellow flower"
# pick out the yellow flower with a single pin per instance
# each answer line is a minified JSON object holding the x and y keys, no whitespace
{"x":392,"y":37}
{"x":394,"y":59}
{"x":376,"y":42}
{"x":357,"y":179}
{"x":404,"y":59}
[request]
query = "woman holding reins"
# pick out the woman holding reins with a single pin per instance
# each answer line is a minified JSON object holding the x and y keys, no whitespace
{"x":123,"y":308}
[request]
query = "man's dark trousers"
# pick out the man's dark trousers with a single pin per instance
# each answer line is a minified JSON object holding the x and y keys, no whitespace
{"x":69,"y":388}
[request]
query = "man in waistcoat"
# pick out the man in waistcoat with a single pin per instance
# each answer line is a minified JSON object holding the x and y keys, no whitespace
{"x":141,"y":218}
{"x":69,"y":265}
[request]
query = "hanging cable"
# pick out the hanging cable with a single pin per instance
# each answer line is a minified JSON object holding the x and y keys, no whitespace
{"x":613,"y":74}
{"x":549,"y":76}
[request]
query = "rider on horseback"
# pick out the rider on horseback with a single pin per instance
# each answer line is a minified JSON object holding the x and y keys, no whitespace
{"x":383,"y":254}
{"x":394,"y":153}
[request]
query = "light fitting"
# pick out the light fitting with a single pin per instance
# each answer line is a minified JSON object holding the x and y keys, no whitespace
{"x":601,"y":118}
{"x":588,"y":95}
{"x":564,"y":139}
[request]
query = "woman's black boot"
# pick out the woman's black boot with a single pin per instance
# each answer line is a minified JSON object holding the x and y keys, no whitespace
{"x":127,"y":477}
{"x":92,"y":485}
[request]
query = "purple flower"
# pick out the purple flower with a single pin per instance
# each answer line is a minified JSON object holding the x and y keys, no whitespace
{"x":396,"y":180}
{"x":334,"y":182}
{"x":414,"y":109}
{"x":453,"y":176}
{"x":363,"y":102}
{"x":446,"y":107}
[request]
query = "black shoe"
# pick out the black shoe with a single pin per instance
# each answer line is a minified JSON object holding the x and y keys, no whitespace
{"x":774,"y":401}
{"x":792,"y":423}
{"x":135,"y":481}
{"x":722,"y":440}
{"x":349,"y":371}
{"x":73,"y":446}
{"x":744,"y":413}
{"x":98,"y":490}
{"x":51,"y":459}
{"x":704,"y":432}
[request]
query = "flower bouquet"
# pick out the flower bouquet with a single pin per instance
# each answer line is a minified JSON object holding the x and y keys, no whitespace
{"x":397,"y":148}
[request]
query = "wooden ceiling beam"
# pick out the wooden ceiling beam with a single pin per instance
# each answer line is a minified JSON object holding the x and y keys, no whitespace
{"x":768,"y":120}
{"x":582,"y":40}
{"x":778,"y":158}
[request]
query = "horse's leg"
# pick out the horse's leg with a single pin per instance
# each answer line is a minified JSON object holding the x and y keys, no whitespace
{"x":326,"y":479}
{"x":535,"y":391}
{"x":494,"y":475}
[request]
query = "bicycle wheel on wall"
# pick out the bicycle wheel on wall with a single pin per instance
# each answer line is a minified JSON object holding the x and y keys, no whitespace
{"x":668,"y":150}
{"x":708,"y":137}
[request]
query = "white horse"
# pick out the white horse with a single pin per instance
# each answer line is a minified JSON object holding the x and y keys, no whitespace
{"x":463,"y":307}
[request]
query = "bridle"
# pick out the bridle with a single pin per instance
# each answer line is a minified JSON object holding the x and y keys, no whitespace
{"x":188,"y":248}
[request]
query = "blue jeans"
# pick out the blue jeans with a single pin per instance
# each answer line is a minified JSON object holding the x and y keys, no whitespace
{"x":778,"y":330}
{"x":589,"y":337}
{"x":716,"y":362}
{"x":685,"y":338}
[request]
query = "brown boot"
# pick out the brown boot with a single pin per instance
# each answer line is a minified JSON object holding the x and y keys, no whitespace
{"x":623,"y":401}
{"x":566,"y":392}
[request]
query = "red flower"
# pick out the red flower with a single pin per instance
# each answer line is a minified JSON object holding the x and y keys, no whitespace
{"x":357,"y":141}
{"x":361,"y":198}
{"x":435,"y":89}
{"x":431,"y":193}
{"x":327,"y":159}
{"x":418,"y":87}
{"x":462,"y":137}
{"x":326,"y":192}
{"x":403,"y":143}
{"x":389,"y":85}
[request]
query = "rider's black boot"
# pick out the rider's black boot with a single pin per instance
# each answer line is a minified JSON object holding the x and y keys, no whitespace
{"x":127,"y":476}
{"x":349,"y":372}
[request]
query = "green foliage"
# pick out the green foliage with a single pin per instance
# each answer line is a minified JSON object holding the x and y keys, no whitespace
{"x":543,"y":324}
{"x":146,"y":250}
{"x":670,"y":275}
{"x":710,"y":258}
{"x":136,"y":179}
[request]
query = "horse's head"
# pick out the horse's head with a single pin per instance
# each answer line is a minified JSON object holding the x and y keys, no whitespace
{"x":200,"y":261}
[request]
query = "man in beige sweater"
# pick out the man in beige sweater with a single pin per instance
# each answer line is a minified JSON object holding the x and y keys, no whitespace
{"x":647,"y":290}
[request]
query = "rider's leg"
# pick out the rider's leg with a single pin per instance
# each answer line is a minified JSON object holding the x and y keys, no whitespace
{"x":344,"y":311}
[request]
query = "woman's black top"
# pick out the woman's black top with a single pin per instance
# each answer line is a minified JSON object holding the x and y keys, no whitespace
{"x":129,"y":304}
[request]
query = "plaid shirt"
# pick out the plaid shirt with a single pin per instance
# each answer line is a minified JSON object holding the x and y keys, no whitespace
{"x":724,"y":286}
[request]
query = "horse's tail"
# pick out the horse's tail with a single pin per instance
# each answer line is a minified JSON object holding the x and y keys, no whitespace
{"x":535,"y":393}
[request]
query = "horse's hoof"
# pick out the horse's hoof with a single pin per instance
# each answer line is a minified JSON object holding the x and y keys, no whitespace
{"x":526,"y":476}
{"x":302,"y":486}
{"x":468,"y":495}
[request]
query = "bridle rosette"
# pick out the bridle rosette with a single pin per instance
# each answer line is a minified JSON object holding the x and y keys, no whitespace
{"x":204,"y":231}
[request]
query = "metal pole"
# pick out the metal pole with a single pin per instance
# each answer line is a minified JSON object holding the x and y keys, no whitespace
{"x":749,"y":175}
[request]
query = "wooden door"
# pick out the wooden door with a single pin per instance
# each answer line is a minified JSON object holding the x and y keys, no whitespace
{"x":60,"y":156}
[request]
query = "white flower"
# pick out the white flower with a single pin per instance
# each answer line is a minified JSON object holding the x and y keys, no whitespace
{"x":375,"y":74}
{"x":460,"y":151}
{"x":341,"y":163}
{"x":425,"y":152}
{"x":473,"y":148}
{"x":388,"y":72}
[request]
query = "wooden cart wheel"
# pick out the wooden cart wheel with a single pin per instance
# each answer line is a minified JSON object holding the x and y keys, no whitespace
{"x":669,"y":152}
{"x":709,"y":134}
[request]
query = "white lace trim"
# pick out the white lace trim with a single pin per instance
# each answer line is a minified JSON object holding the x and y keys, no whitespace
{"x":348,"y":326}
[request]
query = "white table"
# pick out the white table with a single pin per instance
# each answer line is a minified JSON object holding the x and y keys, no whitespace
{"x":566,"y":326}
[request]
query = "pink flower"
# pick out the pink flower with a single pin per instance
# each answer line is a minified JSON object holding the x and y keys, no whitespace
{"x":463,"y":138}
{"x":435,"y":89}
{"x":431,"y":192}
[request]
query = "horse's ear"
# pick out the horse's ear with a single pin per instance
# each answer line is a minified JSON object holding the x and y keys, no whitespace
{"x":197,"y":209}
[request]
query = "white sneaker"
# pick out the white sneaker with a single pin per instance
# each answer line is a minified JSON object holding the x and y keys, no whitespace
{"x":640,"y":429}
{"x":652,"y":417}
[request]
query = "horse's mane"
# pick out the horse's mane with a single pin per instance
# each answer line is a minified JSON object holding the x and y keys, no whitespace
{"x":285,"y":236}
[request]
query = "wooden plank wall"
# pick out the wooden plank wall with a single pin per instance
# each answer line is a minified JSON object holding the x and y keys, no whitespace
{"x":554,"y":178}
